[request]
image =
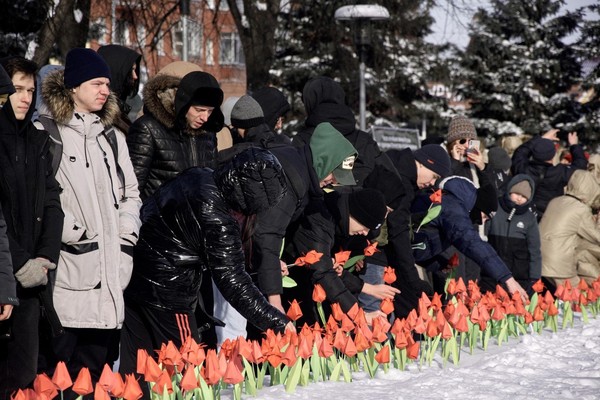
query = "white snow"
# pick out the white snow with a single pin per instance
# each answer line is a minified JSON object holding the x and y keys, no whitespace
{"x":562,"y":365}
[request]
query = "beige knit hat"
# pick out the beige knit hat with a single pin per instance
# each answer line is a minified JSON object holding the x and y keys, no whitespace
{"x":461,"y":128}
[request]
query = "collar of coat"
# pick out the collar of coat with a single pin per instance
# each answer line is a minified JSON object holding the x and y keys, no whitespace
{"x":60,"y":104}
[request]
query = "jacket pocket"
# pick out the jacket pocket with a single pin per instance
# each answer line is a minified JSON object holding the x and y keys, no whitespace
{"x":79,"y":266}
{"x":126,"y":264}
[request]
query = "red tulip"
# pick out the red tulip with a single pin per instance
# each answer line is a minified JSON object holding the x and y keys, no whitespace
{"x":132,"y":389}
{"x":341,"y":257}
{"x":319,"y":294}
{"x":232,"y":374}
{"x":389,"y":275}
{"x":386,"y":306}
{"x":538,"y":286}
{"x":436,"y":197}
{"x":83,"y":383}
{"x":189,"y":381}
{"x":383,"y":356}
{"x":100,"y":393}
{"x":294,"y":312}
{"x":43,"y":385}
{"x":61,"y":377}
{"x":370,"y":249}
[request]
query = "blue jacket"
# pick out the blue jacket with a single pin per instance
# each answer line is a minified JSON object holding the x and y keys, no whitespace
{"x":454,"y":227}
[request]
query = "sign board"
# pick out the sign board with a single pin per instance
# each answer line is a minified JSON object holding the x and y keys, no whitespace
{"x":396,"y":138}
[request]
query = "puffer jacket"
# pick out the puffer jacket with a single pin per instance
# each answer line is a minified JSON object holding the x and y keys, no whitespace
{"x":550,"y":180}
{"x":189,"y":233}
{"x":515,"y":235}
{"x":324,"y":101}
{"x":568,"y":219}
{"x":101,"y":217}
{"x":454,"y":227}
{"x":159,"y":144}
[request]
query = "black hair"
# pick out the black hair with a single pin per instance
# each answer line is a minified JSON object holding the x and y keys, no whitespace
{"x":15,"y":64}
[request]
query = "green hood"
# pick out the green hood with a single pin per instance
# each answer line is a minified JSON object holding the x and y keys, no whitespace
{"x":329,"y":149}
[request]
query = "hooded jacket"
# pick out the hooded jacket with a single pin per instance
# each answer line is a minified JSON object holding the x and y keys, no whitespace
{"x":120,"y":60}
{"x":29,"y":196}
{"x":100,"y":225}
{"x":515,"y":235}
{"x":324,"y":101}
{"x":8,"y":291}
{"x":550,"y":180}
{"x":159,"y":143}
{"x":454,"y":227}
{"x":567,"y":220}
{"x":189,"y":233}
{"x":303,"y":230}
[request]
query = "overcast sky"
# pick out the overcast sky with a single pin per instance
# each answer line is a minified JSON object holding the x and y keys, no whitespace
{"x":451,"y":23}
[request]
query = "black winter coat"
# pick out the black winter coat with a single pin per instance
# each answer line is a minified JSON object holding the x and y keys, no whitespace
{"x":188,"y":234}
{"x":550,"y":180}
{"x":30,"y":200}
{"x":158,"y":145}
{"x":515,"y":235}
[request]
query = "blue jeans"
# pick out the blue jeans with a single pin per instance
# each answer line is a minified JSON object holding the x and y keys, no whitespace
{"x":373,"y":275}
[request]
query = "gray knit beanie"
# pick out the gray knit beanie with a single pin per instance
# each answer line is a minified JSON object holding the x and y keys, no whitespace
{"x":461,"y":128}
{"x":247,"y":113}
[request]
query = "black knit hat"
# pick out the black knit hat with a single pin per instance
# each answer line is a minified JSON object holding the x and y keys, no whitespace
{"x":543,"y":149}
{"x":273,"y":103}
{"x":367,"y":206}
{"x":246,"y":113}
{"x":435,"y":158}
{"x":82,"y":65}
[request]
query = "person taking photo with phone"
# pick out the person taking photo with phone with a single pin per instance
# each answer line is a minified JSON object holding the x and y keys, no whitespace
{"x":466,"y":160}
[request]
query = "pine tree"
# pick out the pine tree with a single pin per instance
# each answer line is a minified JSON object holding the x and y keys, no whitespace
{"x":518,"y":68}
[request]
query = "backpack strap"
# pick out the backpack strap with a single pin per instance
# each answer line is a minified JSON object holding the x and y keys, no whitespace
{"x":111,"y":137}
{"x":56,"y":141}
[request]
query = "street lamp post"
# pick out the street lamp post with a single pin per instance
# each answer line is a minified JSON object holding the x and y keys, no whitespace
{"x":185,"y":12}
{"x":362,"y":15}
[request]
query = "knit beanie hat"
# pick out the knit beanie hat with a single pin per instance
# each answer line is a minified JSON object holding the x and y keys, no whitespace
{"x":499,"y":159}
{"x":246,"y":113}
{"x":273,"y":103}
{"x":461,"y":128}
{"x":543,"y":149}
{"x":523,"y":188}
{"x":82,"y":65}
{"x":435,"y":158}
{"x":367,"y":206}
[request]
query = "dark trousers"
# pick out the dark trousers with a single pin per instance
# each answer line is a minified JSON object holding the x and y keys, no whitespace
{"x":148,"y":328}
{"x":19,"y":353}
{"x":78,"y":348}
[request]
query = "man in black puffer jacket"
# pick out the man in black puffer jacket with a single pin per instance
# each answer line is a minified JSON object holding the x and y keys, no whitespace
{"x":162,"y":143}
{"x":190,"y":232}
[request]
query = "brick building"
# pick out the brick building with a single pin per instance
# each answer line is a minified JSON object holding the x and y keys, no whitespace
{"x":155,"y":29}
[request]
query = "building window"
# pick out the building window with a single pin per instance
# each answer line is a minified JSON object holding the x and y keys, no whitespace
{"x":177,"y":39}
{"x":230,"y":49}
{"x":141,"y":36}
{"x":195,"y":36}
{"x":223,"y":6}
{"x":122,"y":35}
{"x":209,"y":53}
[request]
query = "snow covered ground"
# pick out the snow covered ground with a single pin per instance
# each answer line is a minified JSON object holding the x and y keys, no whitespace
{"x":565,"y":365}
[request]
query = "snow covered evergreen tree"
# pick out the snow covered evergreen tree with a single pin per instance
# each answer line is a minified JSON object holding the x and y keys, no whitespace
{"x":312,"y":43}
{"x":518,"y":69}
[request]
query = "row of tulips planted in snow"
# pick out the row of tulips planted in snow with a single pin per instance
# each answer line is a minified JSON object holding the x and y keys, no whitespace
{"x":334,"y":349}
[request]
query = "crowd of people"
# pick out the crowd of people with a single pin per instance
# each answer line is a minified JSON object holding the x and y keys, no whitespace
{"x":123,"y":231}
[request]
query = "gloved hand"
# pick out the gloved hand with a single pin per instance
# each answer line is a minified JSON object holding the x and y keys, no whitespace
{"x":34,"y":272}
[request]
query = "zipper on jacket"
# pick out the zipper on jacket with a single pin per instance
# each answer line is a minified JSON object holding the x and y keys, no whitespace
{"x":194,"y":152}
{"x":116,"y":203}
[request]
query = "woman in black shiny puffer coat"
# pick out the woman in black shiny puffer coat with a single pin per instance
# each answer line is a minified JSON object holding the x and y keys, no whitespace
{"x":190,"y":232}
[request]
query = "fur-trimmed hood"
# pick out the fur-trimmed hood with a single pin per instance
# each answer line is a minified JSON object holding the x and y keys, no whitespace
{"x":59,"y":105}
{"x":159,"y":98}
